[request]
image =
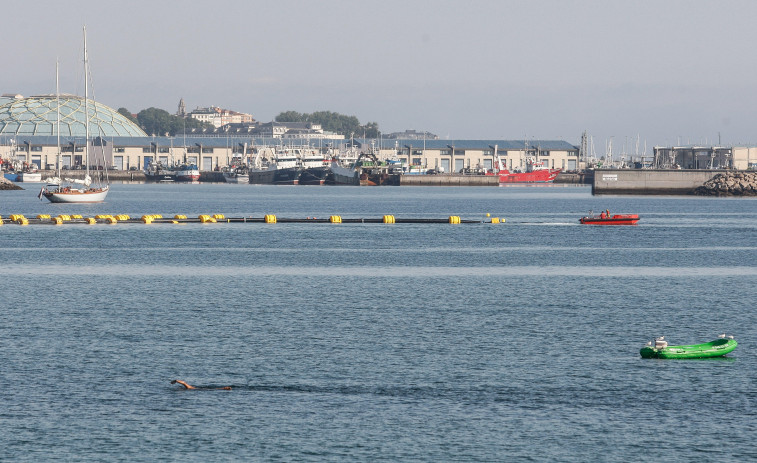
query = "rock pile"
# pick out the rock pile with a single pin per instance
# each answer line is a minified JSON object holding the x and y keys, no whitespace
{"x":730,"y":184}
{"x":6,"y":184}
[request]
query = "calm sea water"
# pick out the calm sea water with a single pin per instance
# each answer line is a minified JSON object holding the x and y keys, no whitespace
{"x":372,"y":342}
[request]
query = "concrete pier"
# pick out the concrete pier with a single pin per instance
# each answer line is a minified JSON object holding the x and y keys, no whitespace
{"x":449,"y":180}
{"x":649,"y":182}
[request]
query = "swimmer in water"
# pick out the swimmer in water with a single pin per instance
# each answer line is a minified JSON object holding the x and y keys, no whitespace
{"x":189,"y":386}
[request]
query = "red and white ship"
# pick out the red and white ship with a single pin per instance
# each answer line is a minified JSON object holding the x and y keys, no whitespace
{"x":187,"y":173}
{"x":536,"y":172}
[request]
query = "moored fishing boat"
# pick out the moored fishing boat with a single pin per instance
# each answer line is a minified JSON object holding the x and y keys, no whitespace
{"x":660,"y":349}
{"x":236,"y":174}
{"x":157,"y":172}
{"x":606,"y":219}
{"x":187,"y":173}
{"x":281,"y":169}
{"x":535,"y":172}
{"x":340,"y":174}
{"x":315,"y":167}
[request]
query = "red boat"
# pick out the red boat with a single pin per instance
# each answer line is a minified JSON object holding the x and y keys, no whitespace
{"x":606,"y":219}
{"x":536,"y":172}
{"x":537,"y":175}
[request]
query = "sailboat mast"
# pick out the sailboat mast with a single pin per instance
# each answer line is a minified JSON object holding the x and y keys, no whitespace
{"x":86,"y":108}
{"x":57,"y":119}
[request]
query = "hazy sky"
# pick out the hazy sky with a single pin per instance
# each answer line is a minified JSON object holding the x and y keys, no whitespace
{"x":665,"y":71}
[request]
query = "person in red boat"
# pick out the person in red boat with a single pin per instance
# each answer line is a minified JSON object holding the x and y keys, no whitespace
{"x":607,"y":213}
{"x":602,"y":215}
{"x":189,"y":386}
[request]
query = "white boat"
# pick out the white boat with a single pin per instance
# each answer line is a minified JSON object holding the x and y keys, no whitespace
{"x":187,"y":173}
{"x":75,"y":190}
{"x":35,"y":177}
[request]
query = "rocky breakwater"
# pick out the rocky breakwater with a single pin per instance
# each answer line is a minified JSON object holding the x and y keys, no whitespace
{"x":6,"y":184}
{"x":730,"y":184}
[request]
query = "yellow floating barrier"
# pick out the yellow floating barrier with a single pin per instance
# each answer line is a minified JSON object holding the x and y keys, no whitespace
{"x":389,"y":219}
{"x":335,"y":219}
{"x":77,"y":216}
{"x":57,"y":221}
{"x":495,"y":219}
{"x":147,"y":219}
{"x":180,"y":216}
{"x":90,"y":220}
{"x":102,"y":216}
{"x":270,"y":218}
{"x":122,"y":217}
{"x":219,"y":217}
{"x":43,"y":216}
{"x":454,"y":219}
{"x":111,"y":220}
{"x":17,"y":217}
{"x":205,"y":218}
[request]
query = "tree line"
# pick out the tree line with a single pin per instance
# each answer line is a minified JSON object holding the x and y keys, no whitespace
{"x":349,"y":126}
{"x":155,"y":121}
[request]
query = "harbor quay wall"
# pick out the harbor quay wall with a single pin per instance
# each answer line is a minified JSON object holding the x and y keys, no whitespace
{"x":448,"y":180}
{"x":649,"y":182}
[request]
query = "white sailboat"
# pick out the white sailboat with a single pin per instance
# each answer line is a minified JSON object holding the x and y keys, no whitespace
{"x":75,"y":190}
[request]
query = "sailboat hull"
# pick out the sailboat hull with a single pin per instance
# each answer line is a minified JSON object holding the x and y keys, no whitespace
{"x":96,"y":195}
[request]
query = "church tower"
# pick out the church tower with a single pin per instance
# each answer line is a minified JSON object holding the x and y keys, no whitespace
{"x":182,"y":112}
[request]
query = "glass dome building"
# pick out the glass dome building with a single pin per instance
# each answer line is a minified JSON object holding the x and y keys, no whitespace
{"x":37,"y":115}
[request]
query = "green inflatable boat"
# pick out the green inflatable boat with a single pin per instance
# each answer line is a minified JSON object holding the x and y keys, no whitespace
{"x":659,"y":349}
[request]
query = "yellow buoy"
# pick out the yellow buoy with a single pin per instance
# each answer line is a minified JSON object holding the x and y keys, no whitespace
{"x":43,"y":216}
{"x":180,"y":216}
{"x":90,"y":220}
{"x":389,"y":219}
{"x":270,"y":218}
{"x":335,"y":219}
{"x":57,"y":221}
{"x":219,"y":216}
{"x":454,"y":219}
{"x":495,"y":219}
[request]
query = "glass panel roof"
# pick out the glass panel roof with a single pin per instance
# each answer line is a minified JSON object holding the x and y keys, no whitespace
{"x":36,"y":115}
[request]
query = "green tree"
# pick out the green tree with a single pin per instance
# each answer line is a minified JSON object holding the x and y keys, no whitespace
{"x":371,"y":130}
{"x":127,"y":114}
{"x":291,"y":116}
{"x":160,"y":122}
{"x":332,"y":122}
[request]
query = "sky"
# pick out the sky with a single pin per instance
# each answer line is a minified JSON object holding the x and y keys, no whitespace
{"x":661,"y":72}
